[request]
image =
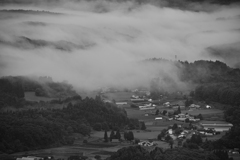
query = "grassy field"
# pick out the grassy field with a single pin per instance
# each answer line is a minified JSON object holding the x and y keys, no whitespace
{"x":139,"y":134}
{"x":30,"y":96}
{"x":118,"y":96}
{"x":145,"y":135}
{"x":136,"y":113}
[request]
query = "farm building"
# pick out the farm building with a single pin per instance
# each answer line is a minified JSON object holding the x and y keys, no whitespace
{"x":138,"y":100}
{"x":194,"y":106}
{"x":218,"y":126}
{"x":167,"y":104}
{"x":158,"y":118}
{"x":121,"y":103}
{"x":146,"y":108}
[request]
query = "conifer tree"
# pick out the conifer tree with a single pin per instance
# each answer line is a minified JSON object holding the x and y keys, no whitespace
{"x":118,"y":135}
{"x":112,"y":135}
{"x":105,"y":136}
{"x":179,"y":110}
{"x":143,"y":127}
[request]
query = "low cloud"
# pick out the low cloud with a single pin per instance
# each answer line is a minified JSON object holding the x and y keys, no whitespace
{"x":97,"y":44}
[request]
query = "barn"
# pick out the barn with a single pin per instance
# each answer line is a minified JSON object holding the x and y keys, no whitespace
{"x":219,"y":126}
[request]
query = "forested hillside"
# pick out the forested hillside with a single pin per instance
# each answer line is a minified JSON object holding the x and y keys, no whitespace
{"x":34,"y":129}
{"x":12,"y":90}
{"x":11,"y":94}
{"x":214,"y":81}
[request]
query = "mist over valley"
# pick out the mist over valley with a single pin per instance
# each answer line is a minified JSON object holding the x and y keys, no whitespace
{"x":99,"y":43}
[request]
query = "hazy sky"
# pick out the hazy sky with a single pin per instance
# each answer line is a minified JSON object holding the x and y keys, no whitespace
{"x":96,"y":44}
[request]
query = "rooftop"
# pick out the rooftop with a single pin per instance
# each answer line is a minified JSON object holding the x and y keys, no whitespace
{"x":216,"y":124}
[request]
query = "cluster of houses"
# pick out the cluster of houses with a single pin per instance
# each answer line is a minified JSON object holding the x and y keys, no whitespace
{"x":172,"y":133}
{"x":198,"y":106}
{"x":146,"y":143}
{"x":182,"y":106}
{"x":143,"y":103}
{"x":183,"y":117}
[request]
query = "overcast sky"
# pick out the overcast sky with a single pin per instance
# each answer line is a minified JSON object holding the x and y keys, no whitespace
{"x":97,"y":44}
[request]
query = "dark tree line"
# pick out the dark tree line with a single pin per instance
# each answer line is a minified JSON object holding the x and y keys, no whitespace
{"x":139,"y":153}
{"x":225,"y":93}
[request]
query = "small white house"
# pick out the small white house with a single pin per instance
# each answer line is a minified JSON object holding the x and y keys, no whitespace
{"x":167,"y":104}
{"x":208,"y":107}
{"x":170,"y":131}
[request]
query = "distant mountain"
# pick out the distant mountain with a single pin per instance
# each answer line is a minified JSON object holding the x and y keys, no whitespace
{"x":23,"y":11}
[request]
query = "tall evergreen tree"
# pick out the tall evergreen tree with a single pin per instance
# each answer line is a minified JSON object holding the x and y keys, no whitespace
{"x":118,"y":135}
{"x":143,"y":126}
{"x":125,"y":135}
{"x":112,"y":135}
{"x":179,"y":110}
{"x":105,"y":137}
{"x":131,"y":136}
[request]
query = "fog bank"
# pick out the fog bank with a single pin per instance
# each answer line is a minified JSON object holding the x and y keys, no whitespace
{"x":98,"y":44}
